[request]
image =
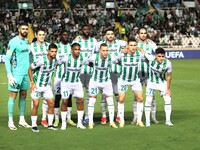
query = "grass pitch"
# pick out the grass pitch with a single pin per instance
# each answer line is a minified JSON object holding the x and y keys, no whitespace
{"x":185,"y":115}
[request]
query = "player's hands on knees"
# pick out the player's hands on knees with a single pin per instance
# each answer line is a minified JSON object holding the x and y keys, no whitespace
{"x":33,"y":86}
{"x":168,"y":92}
{"x":11,"y":80}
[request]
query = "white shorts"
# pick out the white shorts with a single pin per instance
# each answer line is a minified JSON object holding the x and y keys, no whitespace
{"x":57,"y":86}
{"x":44,"y":92}
{"x":105,"y":87}
{"x":68,"y":88}
{"x":85,"y":79}
{"x":152,"y":87}
{"x":136,"y":86}
{"x":114,"y":78}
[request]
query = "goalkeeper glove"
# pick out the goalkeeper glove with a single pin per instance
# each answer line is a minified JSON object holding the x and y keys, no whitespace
{"x":11,"y":79}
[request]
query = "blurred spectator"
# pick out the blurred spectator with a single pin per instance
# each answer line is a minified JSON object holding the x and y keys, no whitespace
{"x":174,"y":22}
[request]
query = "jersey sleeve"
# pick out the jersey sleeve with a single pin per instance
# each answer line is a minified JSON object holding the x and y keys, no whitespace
{"x":150,"y":57}
{"x":154,"y":46}
{"x":97,"y":46}
{"x":90,"y":59}
{"x":11,"y":49}
{"x":62,"y":60}
{"x":116,"y":59}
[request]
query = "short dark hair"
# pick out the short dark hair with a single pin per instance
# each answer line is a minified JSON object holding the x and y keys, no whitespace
{"x":132,"y":40}
{"x":22,"y":23}
{"x":103,"y":44}
{"x":52,"y":45}
{"x":138,"y":31}
{"x":75,"y":44}
{"x":40,"y":29}
{"x":109,"y":29}
{"x":160,"y":50}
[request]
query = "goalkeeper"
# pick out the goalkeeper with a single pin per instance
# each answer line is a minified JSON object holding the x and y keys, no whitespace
{"x":17,"y":64}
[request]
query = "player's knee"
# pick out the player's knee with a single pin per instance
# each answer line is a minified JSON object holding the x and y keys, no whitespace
{"x":121,"y":101}
{"x":80,"y":100}
{"x":64,"y":101}
{"x":140,"y":98}
{"x":51,"y":103}
{"x":35,"y":105}
{"x":23,"y":94}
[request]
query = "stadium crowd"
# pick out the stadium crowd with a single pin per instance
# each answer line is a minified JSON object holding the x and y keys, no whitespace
{"x":165,"y":27}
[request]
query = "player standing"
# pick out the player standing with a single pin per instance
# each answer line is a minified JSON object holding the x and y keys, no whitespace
{"x":114,"y":49}
{"x":41,"y":86}
{"x":101,"y":80}
{"x":130,"y":62}
{"x":88,"y":45}
{"x":149,"y":46}
{"x":160,"y":76}
{"x":64,"y":48}
{"x":37,"y":50}
{"x":17,"y":64}
{"x":71,"y":84}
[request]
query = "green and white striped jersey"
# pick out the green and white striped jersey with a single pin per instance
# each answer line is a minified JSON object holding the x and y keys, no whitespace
{"x":37,"y":50}
{"x":102,"y":68}
{"x":45,"y":71}
{"x":150,"y":48}
{"x":114,"y":49}
{"x":72,"y":68}
{"x":63,"y":50}
{"x":87,"y":48}
{"x":130,"y":65}
{"x":157,"y":71}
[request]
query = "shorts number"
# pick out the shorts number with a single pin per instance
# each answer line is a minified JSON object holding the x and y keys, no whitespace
{"x":65,"y":93}
{"x":93,"y":91}
{"x":58,"y":89}
{"x":123,"y":88}
{"x":150,"y":92}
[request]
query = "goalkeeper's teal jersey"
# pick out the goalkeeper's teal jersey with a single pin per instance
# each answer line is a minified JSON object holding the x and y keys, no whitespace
{"x":17,"y":56}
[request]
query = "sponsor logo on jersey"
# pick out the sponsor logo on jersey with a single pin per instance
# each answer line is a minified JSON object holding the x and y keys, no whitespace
{"x":102,"y":68}
{"x":130,"y":64}
{"x":74,"y":69}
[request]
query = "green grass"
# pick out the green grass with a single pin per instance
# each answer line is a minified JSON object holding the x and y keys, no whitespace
{"x":185,"y":115}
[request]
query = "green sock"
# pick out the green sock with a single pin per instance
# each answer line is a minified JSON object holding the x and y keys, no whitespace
{"x":22,"y":106}
{"x":11,"y":102}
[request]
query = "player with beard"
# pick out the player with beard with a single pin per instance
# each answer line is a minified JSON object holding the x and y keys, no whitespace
{"x":41,"y":86}
{"x":88,"y":45}
{"x":150,"y":47}
{"x":64,"y":48}
{"x":17,"y":64}
{"x":114,"y":47}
